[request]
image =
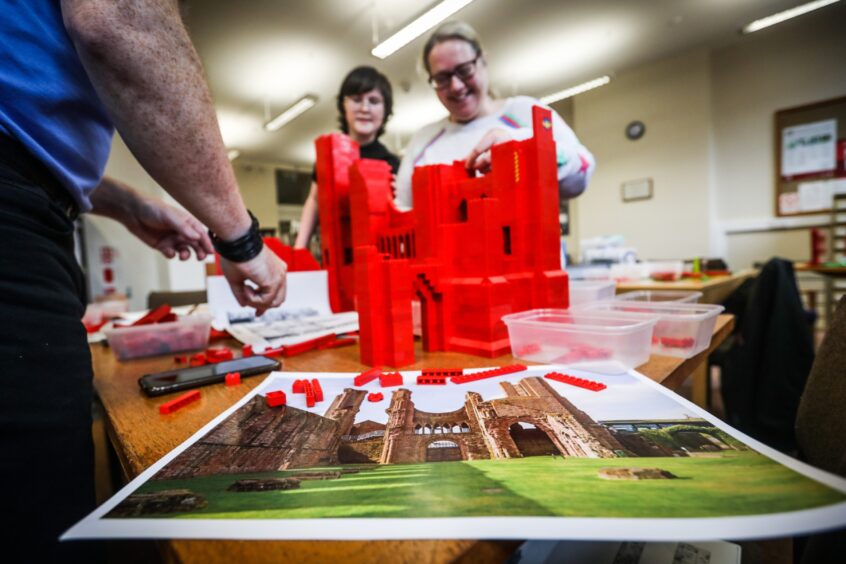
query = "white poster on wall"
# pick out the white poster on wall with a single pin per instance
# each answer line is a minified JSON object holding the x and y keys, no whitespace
{"x":809,"y":148}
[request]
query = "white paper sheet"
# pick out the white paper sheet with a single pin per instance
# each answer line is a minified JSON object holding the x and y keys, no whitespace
{"x":805,"y":500}
{"x":809,"y":148}
{"x":304,"y":315}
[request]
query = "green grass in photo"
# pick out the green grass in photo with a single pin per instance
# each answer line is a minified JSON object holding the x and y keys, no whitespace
{"x":733,"y":483}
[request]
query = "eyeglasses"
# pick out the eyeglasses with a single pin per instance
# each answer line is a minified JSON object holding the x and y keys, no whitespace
{"x":464,"y":72}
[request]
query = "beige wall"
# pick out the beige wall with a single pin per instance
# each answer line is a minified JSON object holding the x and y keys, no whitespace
{"x":673,"y":98}
{"x":708,"y":143}
{"x":797,"y":63}
{"x":257,"y":182}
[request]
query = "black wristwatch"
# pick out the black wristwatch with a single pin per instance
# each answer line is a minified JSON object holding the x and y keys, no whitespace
{"x":244,"y":248}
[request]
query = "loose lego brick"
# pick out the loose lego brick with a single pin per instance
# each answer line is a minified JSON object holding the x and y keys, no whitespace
{"x":390,"y":379}
{"x":198,"y":359}
{"x":154,"y":316}
{"x":215,"y":335}
{"x":377,"y":396}
{"x":309,"y":393}
{"x":510,"y":369}
{"x":424,"y":380}
{"x":677,"y":343}
{"x":441,"y":372}
{"x":247,"y":350}
{"x":367,"y":376}
{"x":180,"y":359}
{"x":218,"y":354}
{"x":275,"y":399}
{"x":298,"y":387}
{"x":179,"y":402}
{"x":318,"y":390}
{"x":574,"y":381}
{"x":291,"y":350}
{"x":233,"y":379}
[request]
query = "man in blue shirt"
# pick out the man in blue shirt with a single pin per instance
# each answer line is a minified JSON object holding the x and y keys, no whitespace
{"x":70,"y":70}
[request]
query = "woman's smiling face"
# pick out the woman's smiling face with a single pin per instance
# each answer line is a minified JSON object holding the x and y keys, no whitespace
{"x":463,"y":98}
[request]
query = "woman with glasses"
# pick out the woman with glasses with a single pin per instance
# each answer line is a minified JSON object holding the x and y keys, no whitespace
{"x":365,"y":102}
{"x":458,"y":72}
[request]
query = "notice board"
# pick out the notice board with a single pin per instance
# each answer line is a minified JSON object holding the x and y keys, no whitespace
{"x":810,"y":156}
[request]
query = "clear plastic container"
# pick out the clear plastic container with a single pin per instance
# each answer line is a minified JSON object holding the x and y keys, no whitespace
{"x":587,"y":291}
{"x":588,"y":272}
{"x":599,"y":343}
{"x":683,"y":330}
{"x":660,"y":296}
{"x":629,"y":271}
{"x":187,"y":333}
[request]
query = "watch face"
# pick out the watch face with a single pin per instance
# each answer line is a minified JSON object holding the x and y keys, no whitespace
{"x":635,"y":130}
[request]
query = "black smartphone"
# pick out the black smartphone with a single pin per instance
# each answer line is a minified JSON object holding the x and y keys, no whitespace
{"x":186,"y":378}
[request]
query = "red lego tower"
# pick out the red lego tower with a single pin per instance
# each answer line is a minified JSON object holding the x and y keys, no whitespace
{"x":472,"y":250}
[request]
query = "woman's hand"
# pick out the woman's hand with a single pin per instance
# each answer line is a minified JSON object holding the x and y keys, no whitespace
{"x":479,"y":158}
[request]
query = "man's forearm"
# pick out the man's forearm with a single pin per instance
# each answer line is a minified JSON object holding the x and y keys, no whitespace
{"x":145,"y":69}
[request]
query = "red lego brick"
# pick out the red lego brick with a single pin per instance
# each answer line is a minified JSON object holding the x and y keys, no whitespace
{"x":309,"y":393}
{"x":298,"y":387}
{"x":198,"y":359}
{"x":678,"y":343}
{"x":574,"y":381}
{"x":318,"y":390}
{"x":275,"y":399}
{"x":218,"y":354}
{"x":180,"y":402}
{"x":154,"y":316}
{"x":390,"y":379}
{"x":233,"y":379}
{"x":247,"y":350}
{"x":215,"y":335}
{"x":291,"y":350}
{"x":338,"y":343}
{"x":441,"y":372}
{"x":424,"y":380}
{"x":180,"y":359}
{"x":510,"y":369}
{"x":374,"y":397}
{"x":367,"y":376}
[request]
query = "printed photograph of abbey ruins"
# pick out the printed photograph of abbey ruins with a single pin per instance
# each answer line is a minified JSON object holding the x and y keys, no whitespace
{"x":520,"y":445}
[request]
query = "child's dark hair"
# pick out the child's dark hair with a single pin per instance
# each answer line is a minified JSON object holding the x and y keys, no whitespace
{"x":361,"y":80}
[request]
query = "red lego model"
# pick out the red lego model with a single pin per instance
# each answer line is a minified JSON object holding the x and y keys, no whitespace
{"x":472,"y":250}
{"x":233,"y":379}
{"x":390,"y":379}
{"x":367,"y":376}
{"x":275,"y":399}
{"x":375,"y":397}
{"x":573,"y":381}
{"x":179,"y":402}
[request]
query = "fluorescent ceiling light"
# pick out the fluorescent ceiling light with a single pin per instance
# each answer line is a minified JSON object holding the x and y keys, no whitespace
{"x":418,"y":27}
{"x":786,"y":15}
{"x":298,"y":108}
{"x":233,"y":154}
{"x":583,"y":87}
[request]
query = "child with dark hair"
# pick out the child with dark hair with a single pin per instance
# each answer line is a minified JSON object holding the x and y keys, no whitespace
{"x":365,"y":103}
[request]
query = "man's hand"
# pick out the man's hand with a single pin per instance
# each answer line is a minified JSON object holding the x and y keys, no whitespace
{"x":258,"y":283}
{"x":479,"y":158}
{"x":169,"y":230}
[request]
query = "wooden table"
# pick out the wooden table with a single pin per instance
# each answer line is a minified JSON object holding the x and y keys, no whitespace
{"x":141,"y":436}
{"x":714,"y":290}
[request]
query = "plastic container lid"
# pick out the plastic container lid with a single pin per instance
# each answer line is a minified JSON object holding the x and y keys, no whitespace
{"x":660,"y":296}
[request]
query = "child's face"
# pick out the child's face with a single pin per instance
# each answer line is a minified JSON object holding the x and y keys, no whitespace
{"x":365,"y":114}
